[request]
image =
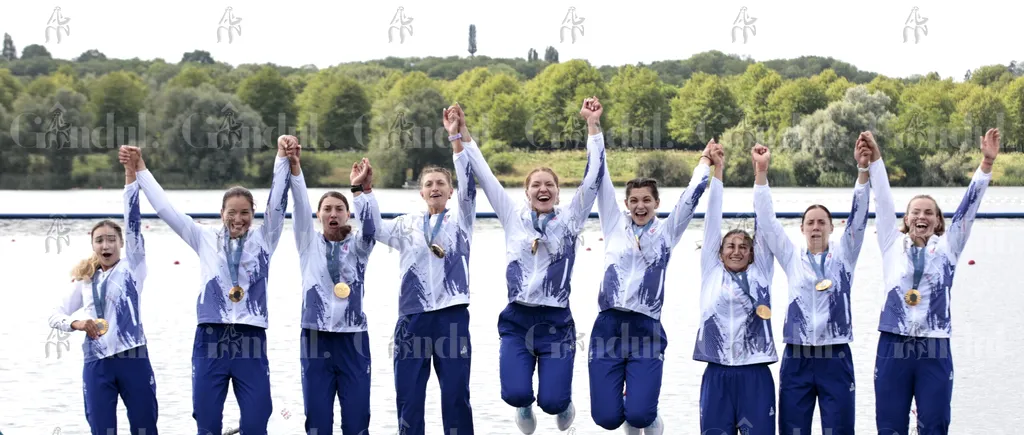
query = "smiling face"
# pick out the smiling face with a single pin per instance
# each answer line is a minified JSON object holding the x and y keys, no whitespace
{"x":436,"y":189}
{"x":817,"y":228}
{"x":106,"y":244}
{"x":642,"y":203}
{"x":923,"y":218}
{"x":542,"y":190}
{"x":737,"y":251}
{"x":237,"y":215}
{"x":333,"y":214}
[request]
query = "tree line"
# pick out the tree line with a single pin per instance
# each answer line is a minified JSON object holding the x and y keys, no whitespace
{"x":207,"y":124}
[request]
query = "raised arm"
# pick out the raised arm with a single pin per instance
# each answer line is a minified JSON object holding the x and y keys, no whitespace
{"x":277,"y":203}
{"x":959,"y":229}
{"x":455,"y":122}
{"x":885,"y":208}
{"x":303,"y":224}
{"x":583,"y":201}
{"x":499,"y":199}
{"x":608,"y":209}
{"x":180,"y":223}
{"x":713,"y":216}
{"x":135,"y":245}
{"x":364,"y":205}
{"x":768,"y":229}
{"x":856,"y":225}
{"x":681,"y":215}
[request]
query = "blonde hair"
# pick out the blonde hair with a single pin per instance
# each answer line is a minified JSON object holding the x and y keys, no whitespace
{"x":432,"y":169}
{"x":526,"y":184}
{"x":84,"y":270}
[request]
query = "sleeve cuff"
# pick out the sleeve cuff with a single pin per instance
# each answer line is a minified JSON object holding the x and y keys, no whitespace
{"x":981,"y":175}
{"x":761,"y":187}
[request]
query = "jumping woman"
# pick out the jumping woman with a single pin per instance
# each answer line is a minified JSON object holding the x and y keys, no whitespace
{"x":817,"y":362}
{"x":230,"y":338}
{"x":434,"y":296}
{"x":737,"y":392}
{"x":918,"y":262}
{"x":116,"y":356}
{"x":335,"y":347}
{"x":536,"y":328}
{"x":628,"y":342}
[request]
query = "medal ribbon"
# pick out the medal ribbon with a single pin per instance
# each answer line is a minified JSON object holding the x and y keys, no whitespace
{"x":741,"y":280}
{"x":234,"y":258}
{"x":639,"y":231}
{"x":437,"y":226}
{"x":332,"y":260}
{"x":99,"y":298}
{"x":918,"y":257}
{"x":818,"y":270}
{"x":542,"y":224}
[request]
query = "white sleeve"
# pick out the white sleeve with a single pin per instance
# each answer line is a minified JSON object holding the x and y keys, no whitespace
{"x":769,"y":229}
{"x":134,"y":244}
{"x":496,"y":194}
{"x":712,"y":229}
{"x":277,"y":204}
{"x":885,"y":209}
{"x":959,"y":229}
{"x":72,"y":301}
{"x":583,"y":201}
{"x":181,"y":223}
{"x":682,"y":214}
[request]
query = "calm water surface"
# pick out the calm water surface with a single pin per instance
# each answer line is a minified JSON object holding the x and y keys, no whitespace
{"x":40,"y":392}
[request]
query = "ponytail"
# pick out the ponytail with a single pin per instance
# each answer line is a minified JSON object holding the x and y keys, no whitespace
{"x":85,"y":268}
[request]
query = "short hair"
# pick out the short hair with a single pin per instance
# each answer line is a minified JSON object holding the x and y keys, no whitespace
{"x":641,"y":182}
{"x":939,"y":230}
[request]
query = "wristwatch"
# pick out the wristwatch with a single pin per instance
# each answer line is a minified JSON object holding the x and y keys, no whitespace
{"x":356,"y":188}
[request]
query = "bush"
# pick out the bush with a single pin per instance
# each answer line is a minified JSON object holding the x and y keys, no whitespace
{"x":946,"y":169}
{"x":492,"y":147}
{"x":805,"y":172}
{"x":671,"y":170}
{"x":1013,"y":175}
{"x":502,"y":163}
{"x":836,"y":179}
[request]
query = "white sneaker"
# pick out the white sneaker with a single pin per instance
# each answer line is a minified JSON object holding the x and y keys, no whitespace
{"x":565,"y":418}
{"x":525,"y":420}
{"x":630,"y":430}
{"x":656,"y":428}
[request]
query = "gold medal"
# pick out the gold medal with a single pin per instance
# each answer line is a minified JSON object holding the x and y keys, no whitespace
{"x":912,"y":298}
{"x":437,"y":250}
{"x":342,"y":290}
{"x":236,"y":294}
{"x":536,"y":245}
{"x":102,"y":326}
{"x":823,"y":285}
{"x":764,"y":312}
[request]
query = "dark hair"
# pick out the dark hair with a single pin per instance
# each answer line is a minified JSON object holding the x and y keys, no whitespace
{"x":431,"y":169}
{"x":815,"y":206}
{"x":237,"y":191}
{"x":746,"y":237}
{"x":641,"y":182}
{"x":333,"y":194}
{"x":939,"y":230}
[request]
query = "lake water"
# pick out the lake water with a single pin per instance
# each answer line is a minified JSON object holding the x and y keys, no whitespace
{"x":39,"y":393}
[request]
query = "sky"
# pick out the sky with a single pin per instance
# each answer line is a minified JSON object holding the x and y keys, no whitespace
{"x":868,"y":34}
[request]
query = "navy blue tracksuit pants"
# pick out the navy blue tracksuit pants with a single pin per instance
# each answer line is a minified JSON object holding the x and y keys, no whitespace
{"x":130,"y":375}
{"x":441,"y":336}
{"x":626,"y":348}
{"x":737,"y":400}
{"x":336,"y":364}
{"x":541,"y":337}
{"x":811,"y":373}
{"x":236,"y":353}
{"x":918,"y":368}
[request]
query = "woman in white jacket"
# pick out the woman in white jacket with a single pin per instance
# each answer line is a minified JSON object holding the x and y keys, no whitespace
{"x":116,"y":355}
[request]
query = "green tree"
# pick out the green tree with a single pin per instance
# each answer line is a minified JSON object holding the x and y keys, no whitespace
{"x":197,"y":147}
{"x":551,"y":55}
{"x":704,"y":108}
{"x":91,"y":55}
{"x":45,"y":86}
{"x":638,"y":112}
{"x":829,"y":135}
{"x":891,"y":88}
{"x":118,"y":100}
{"x":190,"y":77}
{"x":35,"y":51}
{"x":9,"y":52}
{"x":1013,"y":99}
{"x":10,"y":88}
{"x":62,"y":134}
{"x":795,"y":99}
{"x":334,"y":112}
{"x":754,"y":88}
{"x":272,"y":97}
{"x":556,"y":95}
{"x":407,"y":129}
{"x":198,"y":56}
{"x":992,"y":75}
{"x":980,"y":110}
{"x":472,"y":40}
